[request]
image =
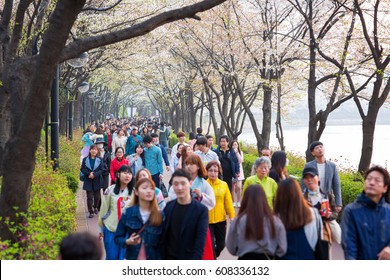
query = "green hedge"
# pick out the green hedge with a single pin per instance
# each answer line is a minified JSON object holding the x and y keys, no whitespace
{"x":172,"y":140}
{"x":52,"y":210}
{"x":51,"y":216}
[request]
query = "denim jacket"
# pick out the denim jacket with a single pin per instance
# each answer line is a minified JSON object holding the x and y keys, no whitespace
{"x":131,"y":222}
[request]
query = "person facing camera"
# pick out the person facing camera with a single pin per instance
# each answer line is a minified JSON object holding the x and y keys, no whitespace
{"x":186,"y":225}
{"x":140,"y":226}
{"x":365,"y":223}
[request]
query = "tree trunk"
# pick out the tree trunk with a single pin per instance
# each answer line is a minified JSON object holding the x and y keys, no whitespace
{"x":278,"y":123}
{"x":311,"y":101}
{"x":33,"y":87}
{"x":368,"y":129}
{"x":267,"y":115}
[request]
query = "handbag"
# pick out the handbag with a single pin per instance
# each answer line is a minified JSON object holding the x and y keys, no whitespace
{"x":82,"y":176}
{"x":336,"y":231}
{"x":321,"y":251}
{"x":164,"y":190}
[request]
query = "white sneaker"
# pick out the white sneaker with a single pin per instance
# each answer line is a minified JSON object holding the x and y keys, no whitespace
{"x":234,"y":204}
{"x":238,"y":204}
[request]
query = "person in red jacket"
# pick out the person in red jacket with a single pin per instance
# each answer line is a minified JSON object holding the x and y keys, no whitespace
{"x":117,"y":162}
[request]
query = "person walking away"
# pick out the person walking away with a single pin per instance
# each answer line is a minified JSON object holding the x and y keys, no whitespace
{"x":199,"y":133}
{"x":365,"y":223}
{"x":302,"y":222}
{"x":185,"y":231}
{"x":223,"y":207}
{"x":278,"y":169}
{"x":87,"y":142}
{"x":163,"y":135}
{"x":140,"y":227}
{"x":114,"y":202}
{"x":192,"y":140}
{"x":92,"y":168}
{"x":256,"y":233}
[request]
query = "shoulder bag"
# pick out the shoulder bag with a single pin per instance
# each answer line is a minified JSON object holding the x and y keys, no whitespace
{"x":321,"y":251}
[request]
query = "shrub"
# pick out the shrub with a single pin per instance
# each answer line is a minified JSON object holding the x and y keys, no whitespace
{"x":352,"y":184}
{"x":69,"y":155}
{"x":73,"y":182}
{"x":249,"y":159}
{"x":69,"y":164}
{"x":296,"y":164}
{"x":51,"y":216}
{"x":172,"y":140}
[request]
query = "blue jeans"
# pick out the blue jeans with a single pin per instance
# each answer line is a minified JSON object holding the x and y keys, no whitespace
{"x":113,"y":250}
{"x":156,"y":179}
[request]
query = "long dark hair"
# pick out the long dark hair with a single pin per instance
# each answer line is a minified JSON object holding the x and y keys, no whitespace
{"x":178,"y":155}
{"x":238,"y":145}
{"x":291,"y":206}
{"x":130,"y":185}
{"x":143,"y":154}
{"x":255,"y":206}
{"x":278,"y":162}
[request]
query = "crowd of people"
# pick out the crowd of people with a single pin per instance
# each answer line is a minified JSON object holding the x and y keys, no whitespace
{"x":271,"y":214}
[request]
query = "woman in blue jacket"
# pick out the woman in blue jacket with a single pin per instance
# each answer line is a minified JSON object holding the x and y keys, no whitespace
{"x":140,"y":227}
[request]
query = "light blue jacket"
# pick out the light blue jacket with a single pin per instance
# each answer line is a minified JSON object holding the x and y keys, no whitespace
{"x":153,"y":160}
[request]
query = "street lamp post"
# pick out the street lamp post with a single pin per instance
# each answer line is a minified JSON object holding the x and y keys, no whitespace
{"x":54,"y":119}
{"x":82,"y":88}
{"x":54,"y":115}
{"x":84,"y":111}
{"x":91,"y":95}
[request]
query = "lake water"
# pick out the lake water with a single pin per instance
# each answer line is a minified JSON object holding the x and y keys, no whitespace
{"x":342,"y":143}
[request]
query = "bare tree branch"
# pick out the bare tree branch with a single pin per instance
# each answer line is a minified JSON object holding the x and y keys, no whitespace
{"x":82,"y":45}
